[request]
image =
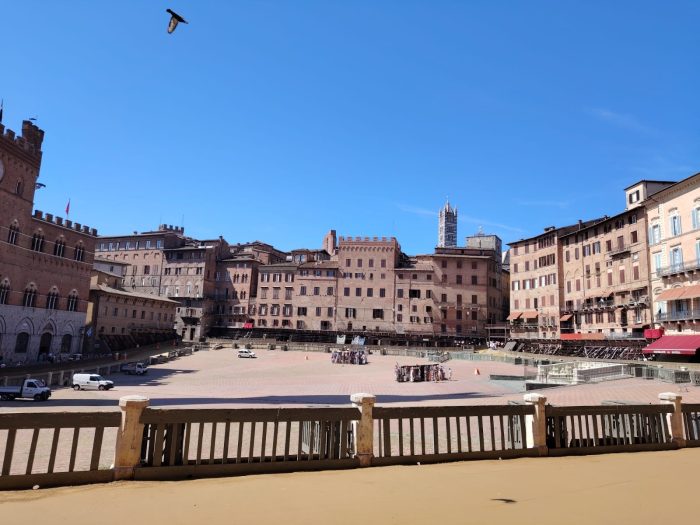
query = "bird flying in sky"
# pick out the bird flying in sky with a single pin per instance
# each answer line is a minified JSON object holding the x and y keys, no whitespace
{"x":175,"y":19}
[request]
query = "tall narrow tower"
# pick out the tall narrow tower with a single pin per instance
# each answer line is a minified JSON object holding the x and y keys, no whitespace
{"x":447,"y":229}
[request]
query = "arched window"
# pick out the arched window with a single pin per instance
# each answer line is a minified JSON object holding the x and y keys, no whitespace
{"x":59,"y":247}
{"x":4,"y":291}
{"x":79,"y":254}
{"x":13,"y":234}
{"x":22,"y":343}
{"x":52,"y":299}
{"x":66,"y":342}
{"x":38,"y":242}
{"x":72,"y":302}
{"x":29,"y":299}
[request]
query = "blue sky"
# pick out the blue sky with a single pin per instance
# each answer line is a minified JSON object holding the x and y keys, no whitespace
{"x":278,"y":120}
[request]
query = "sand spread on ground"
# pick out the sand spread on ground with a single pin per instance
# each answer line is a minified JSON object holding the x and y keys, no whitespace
{"x":634,"y":488}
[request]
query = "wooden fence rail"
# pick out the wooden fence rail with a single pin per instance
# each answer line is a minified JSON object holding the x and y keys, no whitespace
{"x":612,"y":428}
{"x":691,"y":424}
{"x":194,"y":442}
{"x":61,"y":448}
{"x":56,"y":448}
{"x":430,"y":434}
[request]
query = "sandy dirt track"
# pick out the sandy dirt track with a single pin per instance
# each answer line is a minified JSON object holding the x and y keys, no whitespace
{"x":641,"y":488}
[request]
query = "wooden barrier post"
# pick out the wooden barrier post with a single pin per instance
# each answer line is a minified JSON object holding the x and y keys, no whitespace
{"x":536,"y":425}
{"x":127,"y":454}
{"x":675,"y":419}
{"x":364,"y":429}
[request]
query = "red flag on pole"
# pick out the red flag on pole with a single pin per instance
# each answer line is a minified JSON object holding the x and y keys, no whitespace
{"x":68,"y":208}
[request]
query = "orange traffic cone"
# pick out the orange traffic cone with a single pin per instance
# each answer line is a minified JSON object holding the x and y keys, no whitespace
{"x":476,"y":372}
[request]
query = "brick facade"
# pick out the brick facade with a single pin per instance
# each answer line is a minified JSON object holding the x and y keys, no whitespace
{"x":45,"y":261}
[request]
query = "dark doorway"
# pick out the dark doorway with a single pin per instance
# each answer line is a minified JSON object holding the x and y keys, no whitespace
{"x":45,"y":346}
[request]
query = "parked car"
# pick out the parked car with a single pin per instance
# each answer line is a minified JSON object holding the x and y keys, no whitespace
{"x":134,"y":368}
{"x":29,"y":389}
{"x":90,"y":382}
{"x":218,"y":346}
{"x":244,"y":352}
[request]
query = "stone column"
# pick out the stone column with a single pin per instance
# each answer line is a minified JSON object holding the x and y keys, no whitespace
{"x":60,"y":378}
{"x":49,"y":379}
{"x":364,"y":428}
{"x":127,"y":455}
{"x":675,"y":418}
{"x":536,"y":425}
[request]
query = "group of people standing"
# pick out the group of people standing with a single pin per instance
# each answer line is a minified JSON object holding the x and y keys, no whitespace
{"x":349,"y":357}
{"x":416,"y":373}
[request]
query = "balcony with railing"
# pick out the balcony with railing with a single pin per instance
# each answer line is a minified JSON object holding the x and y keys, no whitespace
{"x":618,"y":249}
{"x":682,"y":267}
{"x":678,"y":315}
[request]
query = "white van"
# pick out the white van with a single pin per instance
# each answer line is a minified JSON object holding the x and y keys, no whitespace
{"x":90,"y":382}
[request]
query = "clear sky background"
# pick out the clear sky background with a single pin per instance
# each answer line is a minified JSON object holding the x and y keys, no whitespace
{"x":279,"y":120}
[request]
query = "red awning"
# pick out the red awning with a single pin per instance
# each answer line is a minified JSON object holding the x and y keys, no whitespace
{"x":671,"y":294}
{"x":674,"y":344}
{"x":530,"y":314}
{"x":514,"y":316}
{"x":565,"y":317}
{"x":690,"y":292}
{"x":653,"y":333}
{"x":247,"y":325}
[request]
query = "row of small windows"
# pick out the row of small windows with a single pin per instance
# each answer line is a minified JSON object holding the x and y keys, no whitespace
{"x":30,"y":295}
{"x":129,"y":245}
{"x":38,"y":244}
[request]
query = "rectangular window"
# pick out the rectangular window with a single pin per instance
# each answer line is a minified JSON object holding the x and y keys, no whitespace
{"x":473,"y":299}
{"x":399,"y":293}
{"x":382,"y":292}
{"x":301,"y":310}
{"x":317,"y":290}
{"x":329,"y":311}
{"x":370,"y":292}
{"x":474,"y":279}
{"x":358,"y":292}
{"x":675,"y":225}
{"x":622,"y":275}
{"x":346,"y":292}
{"x":459,"y":279}
{"x":318,"y":311}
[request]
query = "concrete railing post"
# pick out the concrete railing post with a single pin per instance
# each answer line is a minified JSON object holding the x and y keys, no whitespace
{"x":127,"y":455}
{"x":364,"y":428}
{"x":675,"y":418}
{"x":49,"y":378}
{"x":536,"y":425}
